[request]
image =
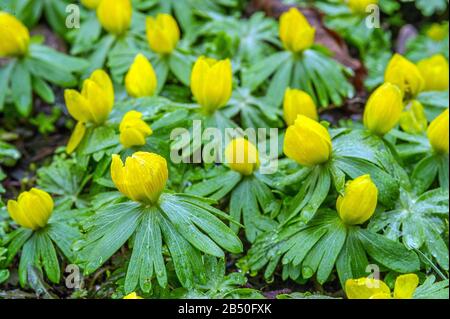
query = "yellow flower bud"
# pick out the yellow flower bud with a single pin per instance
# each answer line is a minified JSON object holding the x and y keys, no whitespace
{"x":163,"y":33}
{"x":366,"y":288}
{"x":307,"y":142}
{"x":91,"y":4}
{"x":437,"y":32}
{"x":383,"y":109}
{"x":141,"y":78}
{"x":438,"y":133}
{"x":295,"y":31}
{"x":211,"y":83}
{"x":413,"y":120}
{"x":298,"y":102}
{"x":32,"y":209}
{"x":405,"y":75}
{"x":115,"y":15}
{"x":96,"y":100}
{"x":434,"y":70}
{"x":142,"y":178}
{"x":133,"y":295}
{"x":14,"y":36}
{"x":359,"y":201}
{"x":133,"y":130}
{"x":242,"y":156}
{"x":360,"y":6}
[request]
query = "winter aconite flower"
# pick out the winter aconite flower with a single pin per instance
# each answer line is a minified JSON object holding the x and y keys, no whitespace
{"x":95,"y":101}
{"x":358,"y":202}
{"x":297,"y":102}
{"x":405,"y":74}
{"x":413,"y":119}
{"x":133,"y":295}
{"x":370,"y":288}
{"x":14,"y":36}
{"x":438,"y":133}
{"x":211,"y":83}
{"x":91,"y":4}
{"x":32,"y":209}
{"x":295,"y":31}
{"x":307,"y":142}
{"x":142,"y":178}
{"x":141,"y":79}
{"x":435,"y":71}
{"x":133,"y":130}
{"x":242,"y":156}
{"x":360,"y":6}
{"x":163,"y":33}
{"x":115,"y":15}
{"x":383,"y":109}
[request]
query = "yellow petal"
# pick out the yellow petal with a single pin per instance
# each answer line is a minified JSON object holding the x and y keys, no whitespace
{"x":242,"y":156}
{"x":295,"y":31}
{"x":78,"y":106}
{"x":359,"y":201}
{"x":133,"y":295}
{"x":405,"y":286}
{"x":437,"y":32}
{"x":115,"y":15}
{"x":297,"y":102}
{"x":102,"y":79}
{"x":435,"y":71}
{"x":163,"y":33}
{"x":360,"y":6}
{"x":91,"y":4}
{"x":211,"y":83}
{"x":98,"y":101}
{"x":413,"y":119}
{"x":141,"y":78}
{"x":76,"y":137}
{"x":307,"y":142}
{"x":405,"y":75}
{"x":14,"y":36}
{"x":383,"y":109}
{"x":365,"y":288}
{"x":438,"y":133}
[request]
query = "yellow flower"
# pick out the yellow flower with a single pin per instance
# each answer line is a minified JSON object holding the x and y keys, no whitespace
{"x":359,"y":201}
{"x":307,"y":142}
{"x":413,"y":120}
{"x":369,"y":288}
{"x":32,"y":209}
{"x":360,"y":6}
{"x":141,"y":78}
{"x":405,"y":75}
{"x":133,"y":295}
{"x":211,"y":83}
{"x":383,"y":109}
{"x":438,"y":133}
{"x":434,"y":70}
{"x":96,"y":100}
{"x":163,"y":33}
{"x":298,"y":102}
{"x":14,"y":36}
{"x":242,"y":156}
{"x":115,"y":15}
{"x":133,"y":130}
{"x":91,"y":4}
{"x":142,"y":178}
{"x":437,"y":32}
{"x":295,"y":31}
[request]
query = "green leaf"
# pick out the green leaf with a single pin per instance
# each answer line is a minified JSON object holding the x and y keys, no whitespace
{"x":389,"y":253}
{"x":21,"y":89}
{"x":146,"y":259}
{"x":5,"y":74}
{"x":424,"y":174}
{"x":181,"y":67}
{"x":217,"y":187}
{"x":43,"y":90}
{"x":103,"y":137}
{"x":47,"y":256}
{"x":29,"y":256}
{"x":15,"y":241}
{"x":280,"y":82}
